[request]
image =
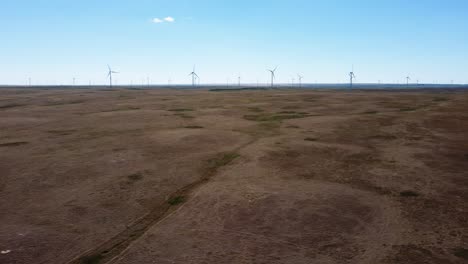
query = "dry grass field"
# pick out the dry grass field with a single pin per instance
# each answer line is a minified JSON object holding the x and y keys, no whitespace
{"x":170,"y":176}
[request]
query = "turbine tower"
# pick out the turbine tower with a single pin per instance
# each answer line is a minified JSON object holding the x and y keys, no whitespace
{"x":194,"y":76}
{"x":109,"y":75}
{"x":351,"y":77}
{"x":273,"y":76}
{"x":300,"y":77}
{"x":239,"y":80}
{"x":407,"y":80}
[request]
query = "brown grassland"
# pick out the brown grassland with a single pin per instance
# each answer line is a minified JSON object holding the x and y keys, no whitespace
{"x":278,"y":176}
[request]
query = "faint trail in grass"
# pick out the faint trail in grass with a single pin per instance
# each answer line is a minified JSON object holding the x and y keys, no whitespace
{"x":113,"y":248}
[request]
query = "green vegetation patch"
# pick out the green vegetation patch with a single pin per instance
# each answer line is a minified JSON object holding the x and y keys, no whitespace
{"x":408,"y":109}
{"x":461,"y":253}
{"x":224,"y":159}
{"x":383,"y":137}
{"x":409,"y":194}
{"x":127,"y":108}
{"x":221,"y":160}
{"x":440,"y":99}
{"x":310,"y":99}
{"x":176,"y":200}
{"x":6,"y":106}
{"x":93,"y":259}
{"x":135,"y":176}
{"x":57,"y":103}
{"x":61,"y":132}
{"x":291,"y":107}
{"x":292,"y":113}
{"x":184,"y":116}
{"x":255,"y":109}
{"x":13,"y":144}
{"x":275,"y":117}
{"x":181,"y":110}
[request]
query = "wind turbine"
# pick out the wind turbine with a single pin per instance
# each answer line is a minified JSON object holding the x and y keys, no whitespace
{"x":351,"y":78}
{"x":194,"y":75}
{"x":407,"y":80}
{"x":273,"y":76}
{"x":239,"y":80}
{"x":300,"y":77}
{"x":109,"y":75}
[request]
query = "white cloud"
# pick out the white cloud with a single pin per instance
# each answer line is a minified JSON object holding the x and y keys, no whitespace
{"x":157,"y":20}
{"x":169,"y":19}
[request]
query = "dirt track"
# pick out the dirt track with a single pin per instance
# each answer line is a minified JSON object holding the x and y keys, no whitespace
{"x":139,"y":176}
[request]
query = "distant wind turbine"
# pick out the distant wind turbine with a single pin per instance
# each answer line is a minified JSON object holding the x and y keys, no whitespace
{"x":239,"y":80}
{"x":351,"y":77}
{"x":407,"y":80}
{"x":194,"y":76}
{"x":109,"y":75}
{"x":273,"y":76}
{"x":300,"y":77}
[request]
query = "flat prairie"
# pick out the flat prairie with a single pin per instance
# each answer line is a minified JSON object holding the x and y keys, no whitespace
{"x":196,"y":176}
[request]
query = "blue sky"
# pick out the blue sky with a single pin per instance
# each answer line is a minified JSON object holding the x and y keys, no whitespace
{"x":53,"y":41}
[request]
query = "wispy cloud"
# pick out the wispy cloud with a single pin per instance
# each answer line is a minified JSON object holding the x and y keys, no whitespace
{"x":166,"y":19}
{"x":169,"y":19}
{"x":157,"y":20}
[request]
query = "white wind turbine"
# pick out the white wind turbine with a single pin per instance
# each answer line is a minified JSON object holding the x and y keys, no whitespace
{"x":300,"y":77}
{"x":194,"y":76}
{"x":273,"y":76}
{"x":351,"y":77}
{"x":109,"y":75}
